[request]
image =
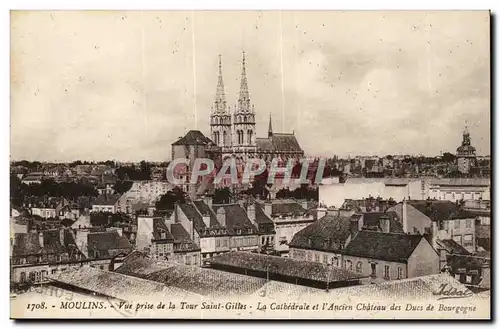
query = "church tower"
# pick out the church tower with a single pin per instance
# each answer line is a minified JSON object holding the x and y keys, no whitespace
{"x":244,"y":118}
{"x":466,"y":154}
{"x":220,"y":118}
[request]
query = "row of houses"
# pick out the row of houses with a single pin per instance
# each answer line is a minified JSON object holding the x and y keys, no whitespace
{"x":409,"y":239}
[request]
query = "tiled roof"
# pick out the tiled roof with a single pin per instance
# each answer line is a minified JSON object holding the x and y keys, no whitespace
{"x":105,"y":241}
{"x":190,"y":211}
{"x":106,"y":200}
{"x":160,"y":227}
{"x":193,"y":137}
{"x":284,"y":266}
{"x":182,"y":238}
{"x":453,"y":247}
{"x":264,"y":223}
{"x":204,"y":209}
{"x":117,"y":285}
{"x":384,"y":246}
{"x":440,"y":209}
{"x":372,"y":219}
{"x":202,"y":281}
{"x":287,"y":207}
{"x":26,"y":244}
{"x":236,"y":218}
{"x":324,"y":234}
{"x":278,"y":143}
{"x":462,"y":182}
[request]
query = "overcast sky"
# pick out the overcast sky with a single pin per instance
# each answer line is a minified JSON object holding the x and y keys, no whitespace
{"x":125,"y":85}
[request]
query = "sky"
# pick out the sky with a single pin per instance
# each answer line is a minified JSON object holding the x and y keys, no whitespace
{"x":125,"y":85}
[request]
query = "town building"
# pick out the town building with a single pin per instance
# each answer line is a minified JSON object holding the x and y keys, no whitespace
{"x":390,"y":256}
{"x":289,"y":217}
{"x":220,"y":228}
{"x":106,"y":203}
{"x":467,"y":189}
{"x":443,"y":219}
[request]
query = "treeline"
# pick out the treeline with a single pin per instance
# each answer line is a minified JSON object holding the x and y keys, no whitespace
{"x":71,"y":190}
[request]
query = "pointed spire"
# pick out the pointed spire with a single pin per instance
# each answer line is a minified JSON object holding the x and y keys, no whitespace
{"x":270,"y":131}
{"x":244,"y":99}
{"x":220,"y":96}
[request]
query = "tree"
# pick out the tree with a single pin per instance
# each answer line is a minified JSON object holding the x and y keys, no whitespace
{"x":222,"y":195}
{"x":122,"y":186}
{"x":168,"y":200}
{"x":449,"y":157}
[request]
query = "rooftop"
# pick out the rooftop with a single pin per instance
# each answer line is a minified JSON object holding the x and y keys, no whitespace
{"x":384,"y":246}
{"x":284,"y":266}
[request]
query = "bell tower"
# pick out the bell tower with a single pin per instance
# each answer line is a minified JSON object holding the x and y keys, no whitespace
{"x":220,"y":119}
{"x":244,"y":118}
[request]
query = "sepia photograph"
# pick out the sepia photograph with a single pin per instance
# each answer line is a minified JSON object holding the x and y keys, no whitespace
{"x":257,"y":164}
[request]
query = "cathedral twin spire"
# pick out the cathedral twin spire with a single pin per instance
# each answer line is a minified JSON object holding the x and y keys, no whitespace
{"x":244,"y":96}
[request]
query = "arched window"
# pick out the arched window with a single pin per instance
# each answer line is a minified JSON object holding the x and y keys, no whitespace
{"x":249,"y":136}
{"x":224,"y":138}
{"x":359,"y":267}
{"x":245,"y":119}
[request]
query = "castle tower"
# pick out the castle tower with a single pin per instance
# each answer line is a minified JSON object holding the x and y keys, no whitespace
{"x":466,"y":154}
{"x":220,"y":119}
{"x":244,"y":118}
{"x":270,"y":130}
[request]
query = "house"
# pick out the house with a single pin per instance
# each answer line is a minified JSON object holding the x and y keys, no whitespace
{"x":473,"y":271}
{"x":35,"y":255}
{"x":289,"y":217}
{"x":448,"y":220}
{"x":33,"y":178}
{"x":106,"y":203}
{"x":390,"y":256}
{"x":186,"y":252}
{"x":323,"y":240}
{"x":52,"y":207}
{"x":223,"y":227}
{"x":107,"y":244}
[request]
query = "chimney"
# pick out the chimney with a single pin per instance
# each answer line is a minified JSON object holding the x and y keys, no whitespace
{"x":221,"y":216}
{"x":321,"y":212}
{"x":434,"y":233}
{"x":208,"y":201}
{"x":61,"y":236}
{"x":251,"y":212}
{"x":168,"y":223}
{"x":206,"y":220}
{"x":40,"y":239}
{"x":268,"y":208}
{"x":81,"y":240}
{"x":405,"y":216}
{"x":385,"y":224}
{"x":356,"y":224}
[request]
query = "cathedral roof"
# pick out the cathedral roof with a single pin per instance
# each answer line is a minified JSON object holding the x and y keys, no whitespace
{"x":278,"y":143}
{"x":193,"y":137}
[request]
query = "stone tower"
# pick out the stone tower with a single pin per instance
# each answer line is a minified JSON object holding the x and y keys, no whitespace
{"x":466,"y":154}
{"x":244,"y":119}
{"x":220,"y":118}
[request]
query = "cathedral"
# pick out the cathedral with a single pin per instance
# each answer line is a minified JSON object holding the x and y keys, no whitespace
{"x":233,"y":129}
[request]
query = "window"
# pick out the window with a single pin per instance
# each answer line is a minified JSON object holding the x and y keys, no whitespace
{"x":468,"y":279}
{"x":400,"y":273}
{"x":359,"y":267}
{"x":23,"y":277}
{"x":386,"y":272}
{"x":374,"y":269}
{"x":325,"y":259}
{"x":337,"y":261}
{"x":316,"y":258}
{"x":309,"y":256}
{"x":468,"y":223}
{"x":457,"y":223}
{"x":468,"y":240}
{"x":217,"y":243}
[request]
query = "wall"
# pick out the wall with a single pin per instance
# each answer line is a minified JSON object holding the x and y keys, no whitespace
{"x":423,"y":261}
{"x":287,"y":230}
{"x":366,"y":269}
{"x":144,"y":233}
{"x":360,"y":188}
